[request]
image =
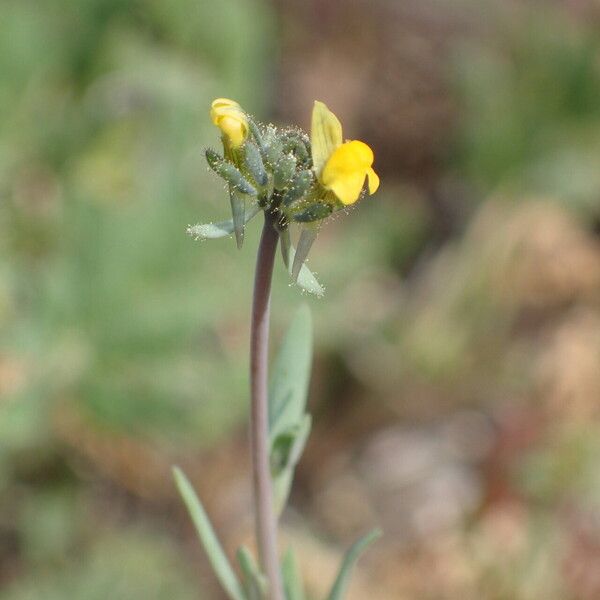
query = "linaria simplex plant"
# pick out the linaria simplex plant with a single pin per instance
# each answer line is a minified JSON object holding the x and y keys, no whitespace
{"x":291,"y":178}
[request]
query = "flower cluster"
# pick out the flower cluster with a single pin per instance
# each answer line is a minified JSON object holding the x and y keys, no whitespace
{"x":292,"y":177}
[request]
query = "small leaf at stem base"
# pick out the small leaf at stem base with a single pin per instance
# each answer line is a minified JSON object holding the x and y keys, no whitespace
{"x":307,"y":237}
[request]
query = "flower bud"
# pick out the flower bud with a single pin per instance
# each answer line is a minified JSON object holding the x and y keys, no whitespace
{"x":273,"y":150}
{"x":294,"y":144}
{"x":316,"y":212}
{"x":229,"y":117}
{"x":254,"y":163}
{"x":229,"y":173}
{"x":298,"y":187}
{"x":283,"y":171}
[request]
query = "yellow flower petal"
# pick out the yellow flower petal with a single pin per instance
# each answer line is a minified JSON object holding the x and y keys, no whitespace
{"x":345,"y":171}
{"x":234,"y":129}
{"x":325,"y":135}
{"x":223,"y":102}
{"x":373,"y":181}
{"x":219,"y":105}
{"x":229,"y":117}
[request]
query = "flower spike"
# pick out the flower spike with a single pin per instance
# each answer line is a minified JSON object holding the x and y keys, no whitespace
{"x":292,"y":177}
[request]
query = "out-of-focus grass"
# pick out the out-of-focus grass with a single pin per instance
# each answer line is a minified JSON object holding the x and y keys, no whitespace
{"x":107,"y":310}
{"x":103,"y":123}
{"x":131,"y":565}
{"x":531,"y":107}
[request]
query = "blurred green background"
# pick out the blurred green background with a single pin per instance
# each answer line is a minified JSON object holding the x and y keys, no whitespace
{"x":456,"y":388}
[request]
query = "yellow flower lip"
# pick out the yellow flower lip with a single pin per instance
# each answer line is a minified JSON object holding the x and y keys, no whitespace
{"x":340,"y":167}
{"x":229,"y":117}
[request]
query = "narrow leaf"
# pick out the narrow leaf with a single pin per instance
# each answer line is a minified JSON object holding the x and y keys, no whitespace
{"x":212,"y":231}
{"x":290,"y":375}
{"x":292,"y":579}
{"x":207,"y":536}
{"x":238,"y":210}
{"x":306,"y":280}
{"x":255,"y":583}
{"x":341,"y":583}
{"x":307,"y":237}
{"x":285,"y":241}
{"x":288,"y":449}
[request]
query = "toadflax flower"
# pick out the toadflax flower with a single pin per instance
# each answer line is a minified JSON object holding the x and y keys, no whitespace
{"x":229,"y":117}
{"x":297,"y":181}
{"x":340,"y":167}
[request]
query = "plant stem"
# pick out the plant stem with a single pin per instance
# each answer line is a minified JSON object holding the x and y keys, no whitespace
{"x":266,"y":518}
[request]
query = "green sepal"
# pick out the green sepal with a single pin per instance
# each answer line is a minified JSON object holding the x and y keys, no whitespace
{"x":254,"y":163}
{"x":238,"y":213}
{"x":316,"y":212}
{"x":212,"y":231}
{"x":255,"y":583}
{"x":230,"y":173}
{"x":283,"y":171}
{"x":208,"y":538}
{"x":342,"y":580}
{"x":307,"y":237}
{"x":299,"y":185}
{"x":292,"y":580}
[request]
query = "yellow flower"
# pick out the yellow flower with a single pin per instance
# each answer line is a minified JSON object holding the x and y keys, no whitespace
{"x":229,"y":117}
{"x":340,"y":166}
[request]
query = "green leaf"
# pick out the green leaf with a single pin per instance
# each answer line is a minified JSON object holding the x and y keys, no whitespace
{"x":288,"y":446}
{"x":213,"y":231}
{"x":284,"y":238}
{"x":238,"y":212}
{"x":255,"y":582}
{"x":207,"y":536}
{"x":307,"y":237}
{"x":292,"y":581}
{"x":306,"y":280}
{"x":289,"y":425}
{"x":341,"y":583}
{"x":286,"y":451}
{"x":291,"y":375}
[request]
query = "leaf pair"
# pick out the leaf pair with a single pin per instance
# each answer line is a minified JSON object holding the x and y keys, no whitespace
{"x":211,"y":231}
{"x":294,"y":260}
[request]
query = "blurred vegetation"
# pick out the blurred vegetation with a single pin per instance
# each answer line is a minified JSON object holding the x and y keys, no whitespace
{"x":456,"y":379}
